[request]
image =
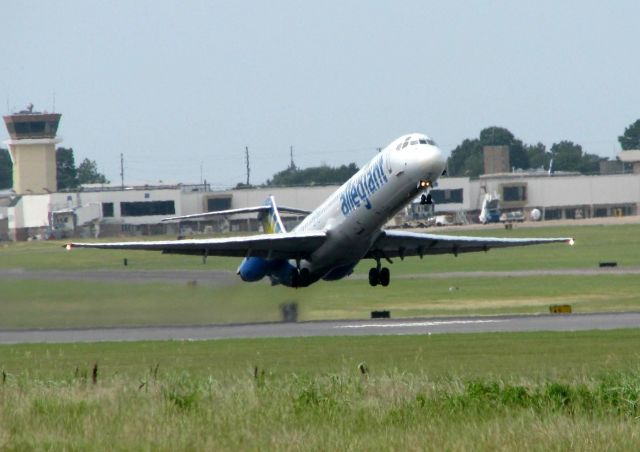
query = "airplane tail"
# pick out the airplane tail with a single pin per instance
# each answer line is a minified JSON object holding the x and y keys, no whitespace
{"x":255,"y":268}
{"x":268,"y":214}
{"x":270,"y":219}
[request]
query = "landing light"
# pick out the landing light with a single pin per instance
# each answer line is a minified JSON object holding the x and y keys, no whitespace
{"x":68,"y":247}
{"x":424,"y":183}
{"x":572,"y":242}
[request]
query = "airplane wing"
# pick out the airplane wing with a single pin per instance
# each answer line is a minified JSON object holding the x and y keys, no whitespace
{"x":400,"y":244}
{"x":264,"y":208}
{"x":273,"y":246}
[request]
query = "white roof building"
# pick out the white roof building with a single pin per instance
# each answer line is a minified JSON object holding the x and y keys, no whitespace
{"x":138,"y":210}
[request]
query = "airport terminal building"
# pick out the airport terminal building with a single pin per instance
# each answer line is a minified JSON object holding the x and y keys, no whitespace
{"x":100,"y":211}
{"x":34,"y":208}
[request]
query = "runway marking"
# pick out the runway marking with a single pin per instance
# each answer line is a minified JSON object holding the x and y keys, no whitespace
{"x":412,"y":324}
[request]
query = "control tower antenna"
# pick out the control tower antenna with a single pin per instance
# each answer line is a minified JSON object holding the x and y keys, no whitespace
{"x":246,"y":158}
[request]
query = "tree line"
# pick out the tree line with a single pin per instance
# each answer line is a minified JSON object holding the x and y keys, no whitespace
{"x":68,"y":175}
{"x":467,"y":159}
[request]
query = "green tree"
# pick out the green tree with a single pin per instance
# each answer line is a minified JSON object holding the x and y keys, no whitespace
{"x":87,"y":173}
{"x":590,"y":163}
{"x":538,"y":156}
{"x":496,"y":136}
{"x":568,"y":156}
{"x":467,"y":159}
{"x":631,"y":137}
{"x":66,"y":172}
{"x":6,"y":170}
{"x":499,"y":136}
{"x":319,"y":175}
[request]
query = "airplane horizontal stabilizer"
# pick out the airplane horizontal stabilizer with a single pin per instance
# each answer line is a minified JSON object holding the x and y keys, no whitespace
{"x":265,"y":208}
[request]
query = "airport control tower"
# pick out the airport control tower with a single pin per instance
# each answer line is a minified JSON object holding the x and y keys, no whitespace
{"x":32,"y":146}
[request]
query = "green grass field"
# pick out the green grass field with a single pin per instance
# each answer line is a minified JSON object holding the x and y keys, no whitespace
{"x":528,"y":391}
{"x":42,"y":304}
{"x":620,"y":243}
{"x":534,"y":391}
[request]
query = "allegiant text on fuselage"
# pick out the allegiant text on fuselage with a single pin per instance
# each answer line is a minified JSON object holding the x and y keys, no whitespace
{"x":359,"y":189}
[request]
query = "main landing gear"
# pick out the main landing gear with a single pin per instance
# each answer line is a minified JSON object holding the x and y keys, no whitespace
{"x":379,"y":275}
{"x":300,"y":278}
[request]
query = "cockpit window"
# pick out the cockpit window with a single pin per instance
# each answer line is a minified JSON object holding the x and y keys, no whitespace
{"x":408,"y":141}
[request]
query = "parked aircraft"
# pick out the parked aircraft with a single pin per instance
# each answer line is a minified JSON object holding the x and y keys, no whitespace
{"x":346,"y":228}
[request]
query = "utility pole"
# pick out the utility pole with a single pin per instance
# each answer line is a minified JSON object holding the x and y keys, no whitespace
{"x":246,"y":157}
{"x":122,"y":169}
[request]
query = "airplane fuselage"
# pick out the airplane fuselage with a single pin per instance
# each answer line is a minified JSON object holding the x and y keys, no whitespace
{"x":354,"y":215}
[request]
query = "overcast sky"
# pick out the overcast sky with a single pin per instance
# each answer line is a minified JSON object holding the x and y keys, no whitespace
{"x":177,"y":86}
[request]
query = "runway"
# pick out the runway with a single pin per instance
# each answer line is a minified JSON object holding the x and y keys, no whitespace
{"x":439,"y":325}
{"x":221,"y":277}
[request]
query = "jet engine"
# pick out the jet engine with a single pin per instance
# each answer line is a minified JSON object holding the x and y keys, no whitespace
{"x":254,"y":269}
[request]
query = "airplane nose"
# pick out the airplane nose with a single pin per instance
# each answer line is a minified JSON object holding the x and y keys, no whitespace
{"x":434,"y":162}
{"x":440,"y":160}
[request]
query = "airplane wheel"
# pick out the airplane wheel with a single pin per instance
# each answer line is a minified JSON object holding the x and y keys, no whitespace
{"x":295,"y":278}
{"x":305,"y":278}
{"x":374,"y":277}
{"x":385,"y":277}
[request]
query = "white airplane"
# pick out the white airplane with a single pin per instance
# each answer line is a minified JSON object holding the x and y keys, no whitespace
{"x":344,"y":229}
